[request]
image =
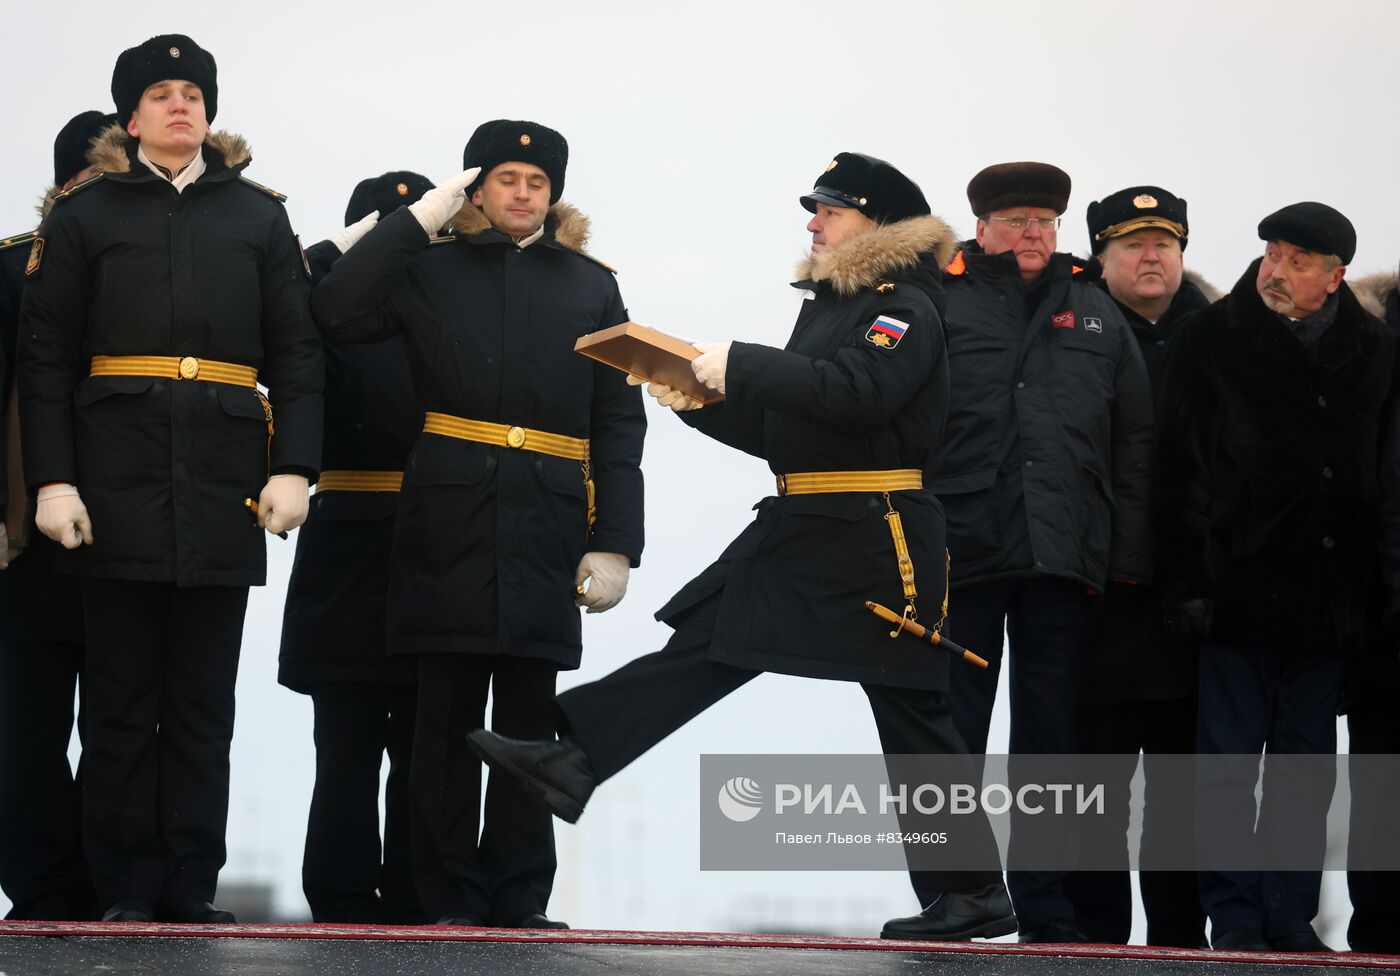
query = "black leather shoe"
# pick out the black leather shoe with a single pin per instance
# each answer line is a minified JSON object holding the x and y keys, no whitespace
{"x":956,"y":916}
{"x":537,"y":920}
{"x":196,"y":912}
{"x":467,"y":920}
{"x":557,"y":772}
{"x":1304,"y":941}
{"x":1240,"y":940}
{"x":130,"y":910}
{"x":1061,"y":930}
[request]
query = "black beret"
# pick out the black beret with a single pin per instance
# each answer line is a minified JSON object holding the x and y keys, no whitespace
{"x":869,"y":185}
{"x":169,"y":57}
{"x":504,"y":141}
{"x":1008,"y":185}
{"x":1133,"y":209}
{"x":1313,"y":226}
{"x":386,"y":194}
{"x":73,"y":142}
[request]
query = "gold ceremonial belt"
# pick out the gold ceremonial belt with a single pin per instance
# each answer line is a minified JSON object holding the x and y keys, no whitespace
{"x":175,"y":368}
{"x":830,"y":482}
{"x":359,"y":481}
{"x":502,"y":435}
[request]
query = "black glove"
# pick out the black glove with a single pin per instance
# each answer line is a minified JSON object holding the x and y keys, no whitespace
{"x":1191,"y":618}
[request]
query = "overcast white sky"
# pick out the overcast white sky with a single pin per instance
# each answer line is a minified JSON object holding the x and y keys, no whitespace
{"x":692,"y":130}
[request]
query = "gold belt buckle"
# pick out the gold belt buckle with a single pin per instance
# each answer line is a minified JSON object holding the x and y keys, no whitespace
{"x":515,"y":437}
{"x":782,"y":484}
{"x":189,"y":368}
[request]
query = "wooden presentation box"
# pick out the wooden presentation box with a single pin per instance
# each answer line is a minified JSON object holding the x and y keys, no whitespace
{"x":654,"y":356}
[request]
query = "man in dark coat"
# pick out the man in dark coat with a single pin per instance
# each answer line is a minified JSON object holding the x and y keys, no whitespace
{"x":42,"y":868}
{"x":1371,"y":725}
{"x":862,"y":385}
{"x":525,"y":443}
{"x":1276,"y":484}
{"x":1043,"y":473}
{"x":1138,"y":683}
{"x":159,"y":295}
{"x":333,"y":627}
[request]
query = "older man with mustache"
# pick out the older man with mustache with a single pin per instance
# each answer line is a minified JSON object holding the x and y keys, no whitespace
{"x":1277,"y":482}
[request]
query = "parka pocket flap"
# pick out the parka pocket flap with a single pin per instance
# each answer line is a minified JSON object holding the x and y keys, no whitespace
{"x":468,"y":466}
{"x":240,"y":401}
{"x":1090,"y":343}
{"x":562,"y":477}
{"x":96,"y":388}
{"x":355,"y":506}
{"x":962,"y":483}
{"x":847,"y":506}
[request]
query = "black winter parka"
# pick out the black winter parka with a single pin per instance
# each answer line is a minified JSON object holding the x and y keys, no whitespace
{"x":132,"y":267}
{"x":1280,"y":475}
{"x":35,"y":602}
{"x":333,"y":622}
{"x":1043,"y":469}
{"x":487,"y":539}
{"x":793,"y":585}
{"x":1128,"y":655}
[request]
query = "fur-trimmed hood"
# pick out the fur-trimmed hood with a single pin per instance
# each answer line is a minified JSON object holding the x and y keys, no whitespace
{"x":1212,"y":293}
{"x":863,"y":261}
{"x":110,"y":155}
{"x":1091,"y":270}
{"x":571,"y":226}
{"x":1373,"y":289}
{"x":47,"y":201}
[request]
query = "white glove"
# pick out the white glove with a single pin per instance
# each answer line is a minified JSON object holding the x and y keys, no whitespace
{"x":345,"y":238}
{"x":709,"y":367}
{"x":609,"y":571}
{"x":665,"y":395}
{"x":62,"y":516}
{"x":284,"y":502}
{"x":437,"y":206}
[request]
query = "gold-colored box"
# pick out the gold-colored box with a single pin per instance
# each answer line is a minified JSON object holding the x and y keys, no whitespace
{"x":654,"y":356}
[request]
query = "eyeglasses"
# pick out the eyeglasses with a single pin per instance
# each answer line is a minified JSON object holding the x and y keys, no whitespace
{"x":1020,"y":223}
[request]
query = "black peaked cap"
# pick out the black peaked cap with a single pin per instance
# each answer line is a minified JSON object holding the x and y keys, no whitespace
{"x":869,"y":185}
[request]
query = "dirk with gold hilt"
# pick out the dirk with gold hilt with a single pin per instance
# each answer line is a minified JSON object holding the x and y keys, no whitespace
{"x":919,"y":630}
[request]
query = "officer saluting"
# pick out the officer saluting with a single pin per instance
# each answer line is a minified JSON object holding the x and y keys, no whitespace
{"x":333,"y":628}
{"x":845,"y":416}
{"x":160,"y":294}
{"x":524,"y":442}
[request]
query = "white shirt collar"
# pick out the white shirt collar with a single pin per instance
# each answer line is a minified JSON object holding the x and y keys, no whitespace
{"x":193,"y":170}
{"x":525,"y":242}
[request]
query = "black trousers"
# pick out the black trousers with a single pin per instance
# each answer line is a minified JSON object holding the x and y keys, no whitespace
{"x":1044,"y":619}
{"x":1375,"y":914}
{"x":162,"y":662}
{"x":344,"y":873}
{"x":1255,"y":701}
{"x":618,"y":718}
{"x":1103,"y":900}
{"x":507,"y":872}
{"x":42,"y":868}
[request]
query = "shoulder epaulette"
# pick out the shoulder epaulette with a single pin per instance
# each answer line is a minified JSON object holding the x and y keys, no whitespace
{"x":76,"y":187}
{"x":602,"y":264}
{"x":443,"y":239}
{"x":279,"y":197}
{"x":19,"y":239}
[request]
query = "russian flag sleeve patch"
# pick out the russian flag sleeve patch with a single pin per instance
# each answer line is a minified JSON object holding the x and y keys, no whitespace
{"x":886,"y":331}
